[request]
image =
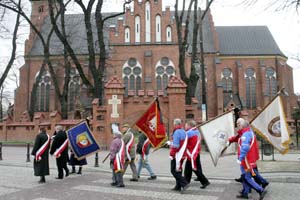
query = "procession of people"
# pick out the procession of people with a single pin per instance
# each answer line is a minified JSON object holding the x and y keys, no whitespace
{"x":184,"y":145}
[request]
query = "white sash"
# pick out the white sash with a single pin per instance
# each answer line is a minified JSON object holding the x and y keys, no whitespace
{"x":58,"y":151}
{"x":130,"y":143}
{"x":179,"y":154}
{"x":42,"y":149}
{"x":119,"y":157}
{"x":191,"y":155}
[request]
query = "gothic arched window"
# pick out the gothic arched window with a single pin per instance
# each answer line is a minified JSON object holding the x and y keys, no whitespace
{"x":74,"y":86}
{"x":132,"y":75}
{"x":137,"y":29}
{"x":147,"y":21}
{"x":169,"y":34}
{"x":227,"y":80}
{"x":43,"y":93}
{"x":164,"y":70}
{"x":158,"y":28}
{"x":127,"y":35}
{"x":271,"y":83}
{"x":250,"y":88}
{"x":199,"y":90}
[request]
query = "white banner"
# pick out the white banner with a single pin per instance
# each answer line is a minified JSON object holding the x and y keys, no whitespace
{"x":271,"y":125}
{"x":216,"y":133}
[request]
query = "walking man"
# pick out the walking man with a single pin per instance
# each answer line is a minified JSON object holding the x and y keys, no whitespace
{"x":59,"y":149}
{"x":128,"y":139}
{"x":193,"y":154}
{"x":247,"y":157}
{"x":40,"y":152}
{"x":117,"y":158}
{"x":142,"y":149}
{"x":177,"y":156}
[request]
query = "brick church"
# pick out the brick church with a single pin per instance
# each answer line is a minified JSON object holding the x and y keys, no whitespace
{"x":244,"y":68}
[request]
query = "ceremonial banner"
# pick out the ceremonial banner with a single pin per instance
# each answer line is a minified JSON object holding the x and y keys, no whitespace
{"x":82,"y":140}
{"x":216,"y":133}
{"x":271,"y":124}
{"x":152,"y":126}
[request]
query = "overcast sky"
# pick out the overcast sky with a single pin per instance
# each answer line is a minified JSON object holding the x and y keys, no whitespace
{"x":284,"y":25}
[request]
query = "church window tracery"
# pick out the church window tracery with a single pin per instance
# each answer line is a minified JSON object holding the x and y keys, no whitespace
{"x":271,"y":83}
{"x":74,"y":87}
{"x":43,"y":93}
{"x":164,"y":70}
{"x":132,"y":76}
{"x":250,"y":78}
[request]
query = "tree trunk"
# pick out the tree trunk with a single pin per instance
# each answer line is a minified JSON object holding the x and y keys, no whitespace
{"x":13,"y":52}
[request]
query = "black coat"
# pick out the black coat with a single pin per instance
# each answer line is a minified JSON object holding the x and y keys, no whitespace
{"x":41,"y":168}
{"x":139,"y":147}
{"x":58,"y":140}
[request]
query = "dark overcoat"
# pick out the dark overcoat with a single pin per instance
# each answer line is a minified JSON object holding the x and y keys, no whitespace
{"x":58,"y":140}
{"x":41,"y":168}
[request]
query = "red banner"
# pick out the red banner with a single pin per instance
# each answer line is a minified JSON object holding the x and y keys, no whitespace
{"x":151,"y":124}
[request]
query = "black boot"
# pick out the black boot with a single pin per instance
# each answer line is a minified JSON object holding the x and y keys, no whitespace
{"x":42,"y":180}
{"x":73,"y":170}
{"x":79,"y":171}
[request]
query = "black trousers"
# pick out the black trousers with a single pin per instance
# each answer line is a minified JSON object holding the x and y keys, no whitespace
{"x":180,"y":180}
{"x":188,"y":171}
{"x":61,"y":166}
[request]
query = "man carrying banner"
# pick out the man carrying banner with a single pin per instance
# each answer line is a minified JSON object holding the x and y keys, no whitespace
{"x":40,"y":152}
{"x":247,"y":157}
{"x":193,"y":154}
{"x":258,"y":178}
{"x":142,"y":149}
{"x":59,"y":149}
{"x":177,"y":155}
{"x":128,"y":139}
{"x":117,"y":158}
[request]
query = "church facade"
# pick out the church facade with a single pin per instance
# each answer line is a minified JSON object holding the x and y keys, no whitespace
{"x":244,"y":68}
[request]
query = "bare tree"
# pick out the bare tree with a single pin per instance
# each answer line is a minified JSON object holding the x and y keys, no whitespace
{"x":198,"y":17}
{"x":14,"y":48}
{"x":17,"y":8}
{"x":5,"y":99}
{"x":97,"y":71}
{"x":277,"y":4}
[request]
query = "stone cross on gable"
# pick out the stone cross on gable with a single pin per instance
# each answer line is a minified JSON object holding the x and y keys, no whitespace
{"x":114,"y":101}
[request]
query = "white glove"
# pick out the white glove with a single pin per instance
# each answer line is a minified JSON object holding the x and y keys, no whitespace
{"x":238,"y":162}
{"x":168,"y":143}
{"x":227,"y":143}
{"x":171,"y":158}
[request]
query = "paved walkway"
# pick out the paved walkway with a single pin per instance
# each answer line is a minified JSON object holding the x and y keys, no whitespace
{"x":285,"y":168}
{"x":18,"y":183}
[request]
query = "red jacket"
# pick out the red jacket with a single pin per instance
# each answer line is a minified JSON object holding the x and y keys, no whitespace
{"x":247,"y":137}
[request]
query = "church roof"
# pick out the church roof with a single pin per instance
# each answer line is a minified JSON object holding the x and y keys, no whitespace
{"x":76,"y":33}
{"x":233,"y":40}
{"x":246,"y":40}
